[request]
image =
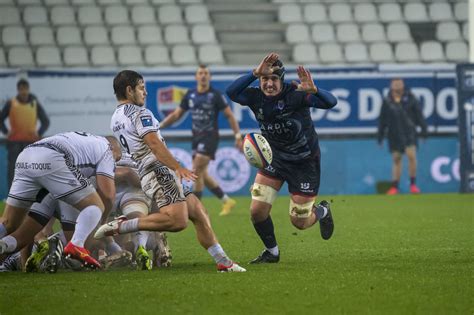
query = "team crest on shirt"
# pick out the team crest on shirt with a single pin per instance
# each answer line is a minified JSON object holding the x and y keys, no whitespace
{"x":280,"y":104}
{"x":210,"y":96}
{"x":147,"y":121}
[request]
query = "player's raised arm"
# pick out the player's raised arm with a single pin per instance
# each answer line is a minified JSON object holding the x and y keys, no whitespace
{"x":164,"y":156}
{"x":171,"y":118}
{"x":317,"y":97}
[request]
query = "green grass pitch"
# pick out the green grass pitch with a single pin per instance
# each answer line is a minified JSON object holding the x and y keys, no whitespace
{"x":389,"y":255}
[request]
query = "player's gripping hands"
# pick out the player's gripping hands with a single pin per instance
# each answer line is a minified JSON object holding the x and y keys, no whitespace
{"x":306,"y":81}
{"x":265,"y":66}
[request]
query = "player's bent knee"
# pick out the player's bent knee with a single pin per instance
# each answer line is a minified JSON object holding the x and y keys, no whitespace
{"x":299,"y":224}
{"x":263,"y":193}
{"x":135,"y":208}
{"x":301,"y":211}
{"x":178,"y":223}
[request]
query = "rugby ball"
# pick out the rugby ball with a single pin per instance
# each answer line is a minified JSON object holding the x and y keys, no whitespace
{"x":257,"y":150}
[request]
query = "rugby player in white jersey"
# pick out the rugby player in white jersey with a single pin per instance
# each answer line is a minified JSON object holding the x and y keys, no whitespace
{"x":138,"y":132}
{"x":61,"y":165}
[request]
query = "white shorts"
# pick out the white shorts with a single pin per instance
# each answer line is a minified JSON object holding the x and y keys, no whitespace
{"x":163,"y":186}
{"x":126,"y":194}
{"x":50,"y":207}
{"x":39,"y":169}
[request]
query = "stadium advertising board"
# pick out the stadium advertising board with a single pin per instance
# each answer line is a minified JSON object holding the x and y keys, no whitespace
{"x":348,"y":166}
{"x":359,"y":102}
{"x":72,"y":99}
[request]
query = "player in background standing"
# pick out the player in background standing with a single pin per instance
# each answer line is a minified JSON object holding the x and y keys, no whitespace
{"x":61,"y":165}
{"x":160,"y":173}
{"x":23,"y":112}
{"x":399,"y":117}
{"x":204,"y":103}
{"x":282,"y":112}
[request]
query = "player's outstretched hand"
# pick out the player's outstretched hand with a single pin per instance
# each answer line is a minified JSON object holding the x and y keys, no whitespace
{"x":306,"y":81}
{"x":184,"y":173}
{"x":265,"y":66}
{"x":238,"y":144}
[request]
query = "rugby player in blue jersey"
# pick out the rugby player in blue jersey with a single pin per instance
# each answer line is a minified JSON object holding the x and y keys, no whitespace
{"x":204,"y":104}
{"x":283,"y":113}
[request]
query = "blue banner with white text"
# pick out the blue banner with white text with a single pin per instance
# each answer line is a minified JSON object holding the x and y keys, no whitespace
{"x":359,"y":102}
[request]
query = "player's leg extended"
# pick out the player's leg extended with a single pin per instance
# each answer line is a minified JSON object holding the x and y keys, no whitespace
{"x":396,"y":172}
{"x":206,"y":236}
{"x":200,"y":162}
{"x":167,"y":191}
{"x":264,"y":192}
{"x":410,"y":151}
{"x":132,"y":210}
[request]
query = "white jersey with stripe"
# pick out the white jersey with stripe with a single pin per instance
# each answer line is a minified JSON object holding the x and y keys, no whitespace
{"x":91,"y":154}
{"x":129,"y":124}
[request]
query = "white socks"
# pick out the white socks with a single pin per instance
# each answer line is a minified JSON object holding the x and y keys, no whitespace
{"x":274,"y":250}
{"x":11,"y":244}
{"x":86,"y":223}
{"x":129,"y":226}
{"x":219,"y":255}
{"x":112,"y":248}
{"x":141,"y":239}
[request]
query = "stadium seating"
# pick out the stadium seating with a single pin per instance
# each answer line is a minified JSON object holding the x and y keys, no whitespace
{"x":41,"y":35}
{"x":76,"y":56}
{"x":68,"y":35}
{"x":102,"y":55}
{"x":312,"y":31}
{"x":305,"y":53}
{"x":48,"y":56}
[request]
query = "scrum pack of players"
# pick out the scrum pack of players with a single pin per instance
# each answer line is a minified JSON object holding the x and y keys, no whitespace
{"x":83,"y":180}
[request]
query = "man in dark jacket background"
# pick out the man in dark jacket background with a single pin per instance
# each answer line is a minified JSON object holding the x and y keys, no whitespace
{"x":399,"y":118}
{"x":23,"y":112}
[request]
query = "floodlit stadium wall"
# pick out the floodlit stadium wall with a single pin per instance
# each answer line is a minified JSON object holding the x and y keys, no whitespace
{"x":83,"y":100}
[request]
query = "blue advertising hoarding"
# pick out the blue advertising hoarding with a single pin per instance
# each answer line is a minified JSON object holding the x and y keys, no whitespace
{"x":347,"y":166}
{"x":359,"y":101}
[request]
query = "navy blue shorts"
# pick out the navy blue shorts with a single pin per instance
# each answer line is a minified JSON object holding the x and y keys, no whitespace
{"x":205,"y":144}
{"x":303,"y":177}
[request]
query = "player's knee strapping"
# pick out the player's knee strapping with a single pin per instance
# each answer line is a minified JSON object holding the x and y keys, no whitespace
{"x":299,"y":210}
{"x":263,"y":193}
{"x":135,"y":207}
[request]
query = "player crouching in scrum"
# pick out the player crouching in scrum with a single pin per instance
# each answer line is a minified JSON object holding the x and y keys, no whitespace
{"x":282,"y":112}
{"x":61,"y":165}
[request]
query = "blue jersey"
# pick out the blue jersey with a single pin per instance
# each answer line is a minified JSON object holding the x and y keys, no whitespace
{"x":284,"y":120}
{"x":204,"y":108}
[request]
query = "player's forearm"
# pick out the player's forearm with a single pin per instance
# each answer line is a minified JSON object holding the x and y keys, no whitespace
{"x":235,"y":89}
{"x":322,"y":99}
{"x":169,"y":120}
{"x":234,"y":125}
{"x":163,"y":155}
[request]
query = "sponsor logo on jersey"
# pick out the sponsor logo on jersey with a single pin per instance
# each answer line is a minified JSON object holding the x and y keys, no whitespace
{"x":147,"y":121}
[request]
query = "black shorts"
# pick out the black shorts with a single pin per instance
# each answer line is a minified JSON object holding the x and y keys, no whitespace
{"x":205,"y":144}
{"x":302,"y":177}
{"x":399,"y":145}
